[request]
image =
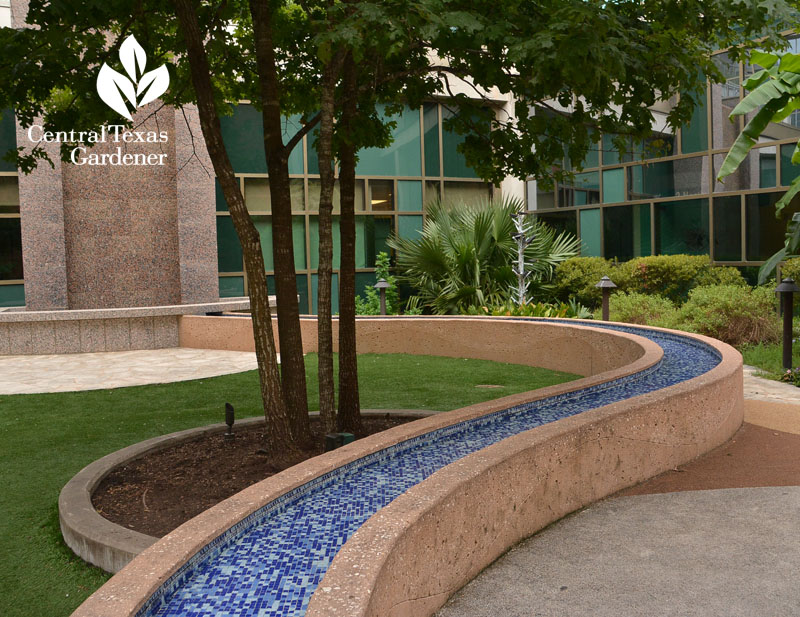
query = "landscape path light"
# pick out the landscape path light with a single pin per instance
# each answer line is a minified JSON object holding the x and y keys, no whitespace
{"x":382,"y":286}
{"x":786,"y":291}
{"x":229,"y":421}
{"x":606,"y":285}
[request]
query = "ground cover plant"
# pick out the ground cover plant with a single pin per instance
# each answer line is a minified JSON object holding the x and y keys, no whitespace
{"x":45,"y":439}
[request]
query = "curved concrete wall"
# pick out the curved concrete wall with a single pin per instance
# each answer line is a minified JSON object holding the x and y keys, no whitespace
{"x":411,"y":556}
{"x":552,"y":346}
{"x":427,"y":543}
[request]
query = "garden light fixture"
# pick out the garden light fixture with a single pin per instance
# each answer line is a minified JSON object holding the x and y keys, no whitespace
{"x":382,"y":286}
{"x":229,"y":421}
{"x":786,"y":291}
{"x":606,"y":285}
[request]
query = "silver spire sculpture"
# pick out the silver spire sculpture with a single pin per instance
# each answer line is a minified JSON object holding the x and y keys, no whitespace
{"x":523,"y":236}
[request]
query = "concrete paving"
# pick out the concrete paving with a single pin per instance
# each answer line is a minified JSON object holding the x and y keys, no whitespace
{"x":116,"y":369}
{"x":730,"y":552}
{"x":698,"y":553}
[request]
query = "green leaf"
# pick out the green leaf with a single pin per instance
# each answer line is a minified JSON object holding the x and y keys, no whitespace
{"x":787,"y":110}
{"x":790,"y":63}
{"x":794,"y":188}
{"x":769,"y":266}
{"x":747,"y":139}
{"x":762,"y":58}
{"x":756,"y":79}
{"x":766,"y":92}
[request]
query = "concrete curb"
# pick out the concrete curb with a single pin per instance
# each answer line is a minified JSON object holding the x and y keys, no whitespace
{"x":110,"y":546}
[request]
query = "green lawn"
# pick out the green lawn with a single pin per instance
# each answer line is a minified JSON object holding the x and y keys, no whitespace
{"x":769,"y":358}
{"x":46,"y":438}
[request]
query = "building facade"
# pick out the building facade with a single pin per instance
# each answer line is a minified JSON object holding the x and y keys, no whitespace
{"x":75,"y":236}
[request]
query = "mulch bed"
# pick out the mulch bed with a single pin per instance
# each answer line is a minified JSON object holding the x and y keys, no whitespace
{"x":160,"y":491}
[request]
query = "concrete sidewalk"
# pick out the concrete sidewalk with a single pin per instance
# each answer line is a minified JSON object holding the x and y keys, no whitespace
{"x":729,"y":551}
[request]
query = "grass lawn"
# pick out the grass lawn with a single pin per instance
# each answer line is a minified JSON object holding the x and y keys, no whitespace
{"x":46,"y":438}
{"x":769,"y":358}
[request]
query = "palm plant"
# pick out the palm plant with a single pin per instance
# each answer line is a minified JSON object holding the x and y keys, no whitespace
{"x":464,"y":257}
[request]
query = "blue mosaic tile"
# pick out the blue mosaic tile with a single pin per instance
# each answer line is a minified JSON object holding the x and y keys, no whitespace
{"x":269,"y":564}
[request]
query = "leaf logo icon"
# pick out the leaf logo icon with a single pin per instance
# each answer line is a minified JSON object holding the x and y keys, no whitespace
{"x":139,"y":88}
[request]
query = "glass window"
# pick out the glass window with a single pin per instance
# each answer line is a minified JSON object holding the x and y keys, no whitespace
{"x":311,"y":152}
{"x":584,"y":189}
{"x":724,"y":97}
{"x":431,"y":119}
{"x":455,"y":165}
{"x":565,"y":220}
{"x":376,"y":231}
{"x":409,"y":195}
{"x":9,"y":195}
{"x":591,"y":233}
{"x":613,"y":185}
{"x":432,"y":191}
{"x":222,"y":205}
{"x":757,"y":170}
{"x":682,"y":227}
{"x":592,"y":158}
{"x":229,"y":251}
{"x":765,"y":234}
{"x":264,"y":226}
{"x":409,"y":227}
{"x":626,"y":232}
{"x":668,"y":178}
{"x":381,"y":195}
{"x":302,"y":292}
{"x":243,"y":134}
{"x":466,"y":192}
{"x":789,"y":171}
{"x":257,"y":194}
{"x":727,"y":229}
{"x":402,"y":157}
{"x":313,"y":196}
{"x":8,"y":138}
{"x":10,"y":249}
{"x":231,"y":286}
{"x":12,"y":295}
{"x":611,"y":154}
{"x":694,"y":136}
{"x":363,"y":281}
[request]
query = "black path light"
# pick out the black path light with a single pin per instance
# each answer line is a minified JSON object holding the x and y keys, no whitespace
{"x":786,"y":291}
{"x":382,"y":286}
{"x":229,"y":421}
{"x":606,"y":285}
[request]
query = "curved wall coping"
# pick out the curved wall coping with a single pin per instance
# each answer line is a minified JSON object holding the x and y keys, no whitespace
{"x":19,"y":315}
{"x":412,"y":555}
{"x":127,"y":591}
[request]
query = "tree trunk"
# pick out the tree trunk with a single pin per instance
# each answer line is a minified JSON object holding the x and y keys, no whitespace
{"x":327,"y":410}
{"x":279,"y":439}
{"x":293,"y":375}
{"x":349,"y":417}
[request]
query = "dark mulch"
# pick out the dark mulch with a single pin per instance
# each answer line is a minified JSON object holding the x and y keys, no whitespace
{"x":158,"y":492}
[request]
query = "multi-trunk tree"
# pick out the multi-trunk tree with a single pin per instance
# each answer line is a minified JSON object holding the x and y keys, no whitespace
{"x":596,"y":66}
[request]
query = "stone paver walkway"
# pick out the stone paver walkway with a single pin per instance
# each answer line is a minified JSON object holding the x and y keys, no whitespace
{"x":116,"y":369}
{"x":760,"y":389}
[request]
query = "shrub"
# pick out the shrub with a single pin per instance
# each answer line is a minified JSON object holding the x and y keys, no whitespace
{"x":720,"y":275}
{"x":792,"y":376}
{"x":576,"y":278}
{"x":637,"y":308}
{"x":539,"y":309}
{"x":732,"y":313}
{"x":791,"y":269}
{"x":674,"y":276}
{"x":465,"y":253}
{"x":371,"y":303}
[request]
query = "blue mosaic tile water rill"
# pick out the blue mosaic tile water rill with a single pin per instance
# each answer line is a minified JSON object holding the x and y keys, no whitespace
{"x":269,"y":564}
